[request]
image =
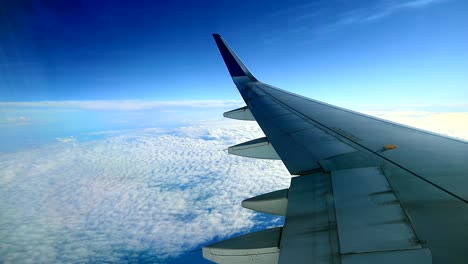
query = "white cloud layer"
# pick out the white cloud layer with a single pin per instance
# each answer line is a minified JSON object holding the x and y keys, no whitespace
{"x":453,"y":124}
{"x":144,"y":195}
{"x":127,"y":105}
{"x":136,"y":196}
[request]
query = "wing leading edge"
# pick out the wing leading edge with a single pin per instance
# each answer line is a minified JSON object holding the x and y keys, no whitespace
{"x":367,"y":190}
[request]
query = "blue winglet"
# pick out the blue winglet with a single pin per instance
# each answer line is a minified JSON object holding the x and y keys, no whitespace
{"x":233,"y":63}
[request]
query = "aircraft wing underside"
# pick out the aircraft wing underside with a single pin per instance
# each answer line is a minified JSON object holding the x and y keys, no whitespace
{"x":365,"y":190}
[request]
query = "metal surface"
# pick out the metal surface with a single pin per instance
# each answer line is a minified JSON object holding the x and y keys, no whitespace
{"x":242,"y":113}
{"x":415,"y":256}
{"x":304,"y":142}
{"x":309,"y":233}
{"x":259,"y":148}
{"x":424,"y":154}
{"x":369,"y":216}
{"x":274,"y":203}
{"x":258,"y":247}
{"x":424,"y":178}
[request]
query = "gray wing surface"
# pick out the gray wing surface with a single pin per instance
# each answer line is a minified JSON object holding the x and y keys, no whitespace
{"x":365,"y":190}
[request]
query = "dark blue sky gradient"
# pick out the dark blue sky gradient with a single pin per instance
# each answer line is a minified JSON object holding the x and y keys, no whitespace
{"x":349,"y":53}
{"x":335,"y":51}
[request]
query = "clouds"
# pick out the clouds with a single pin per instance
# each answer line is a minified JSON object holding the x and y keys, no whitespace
{"x":326,"y":16}
{"x":382,"y":9}
{"x":15,"y":120}
{"x":66,"y":139}
{"x":144,"y":194}
{"x":453,"y":124}
{"x":141,"y":195}
{"x":126,"y":105}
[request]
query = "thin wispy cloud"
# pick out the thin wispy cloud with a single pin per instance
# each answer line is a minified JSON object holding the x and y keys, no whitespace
{"x":15,"y":120}
{"x":326,"y":16}
{"x":293,"y":11}
{"x":382,"y":9}
{"x":67,"y":139}
{"x":126,"y":105}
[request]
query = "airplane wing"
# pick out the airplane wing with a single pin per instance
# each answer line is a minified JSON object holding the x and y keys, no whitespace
{"x":365,"y":190}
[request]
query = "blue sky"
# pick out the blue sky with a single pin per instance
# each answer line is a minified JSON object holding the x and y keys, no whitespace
{"x":71,"y":67}
{"x":337,"y":51}
{"x":95,"y":96}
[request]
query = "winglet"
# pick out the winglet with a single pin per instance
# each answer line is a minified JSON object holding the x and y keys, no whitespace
{"x":233,"y":63}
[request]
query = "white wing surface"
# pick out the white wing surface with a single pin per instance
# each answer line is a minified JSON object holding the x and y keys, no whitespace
{"x":364,"y":190}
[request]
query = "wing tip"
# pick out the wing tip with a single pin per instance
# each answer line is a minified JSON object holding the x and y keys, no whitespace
{"x":233,"y":63}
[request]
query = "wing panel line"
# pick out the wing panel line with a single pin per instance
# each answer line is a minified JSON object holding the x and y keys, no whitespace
{"x":361,"y":114}
{"x":364,"y":147}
